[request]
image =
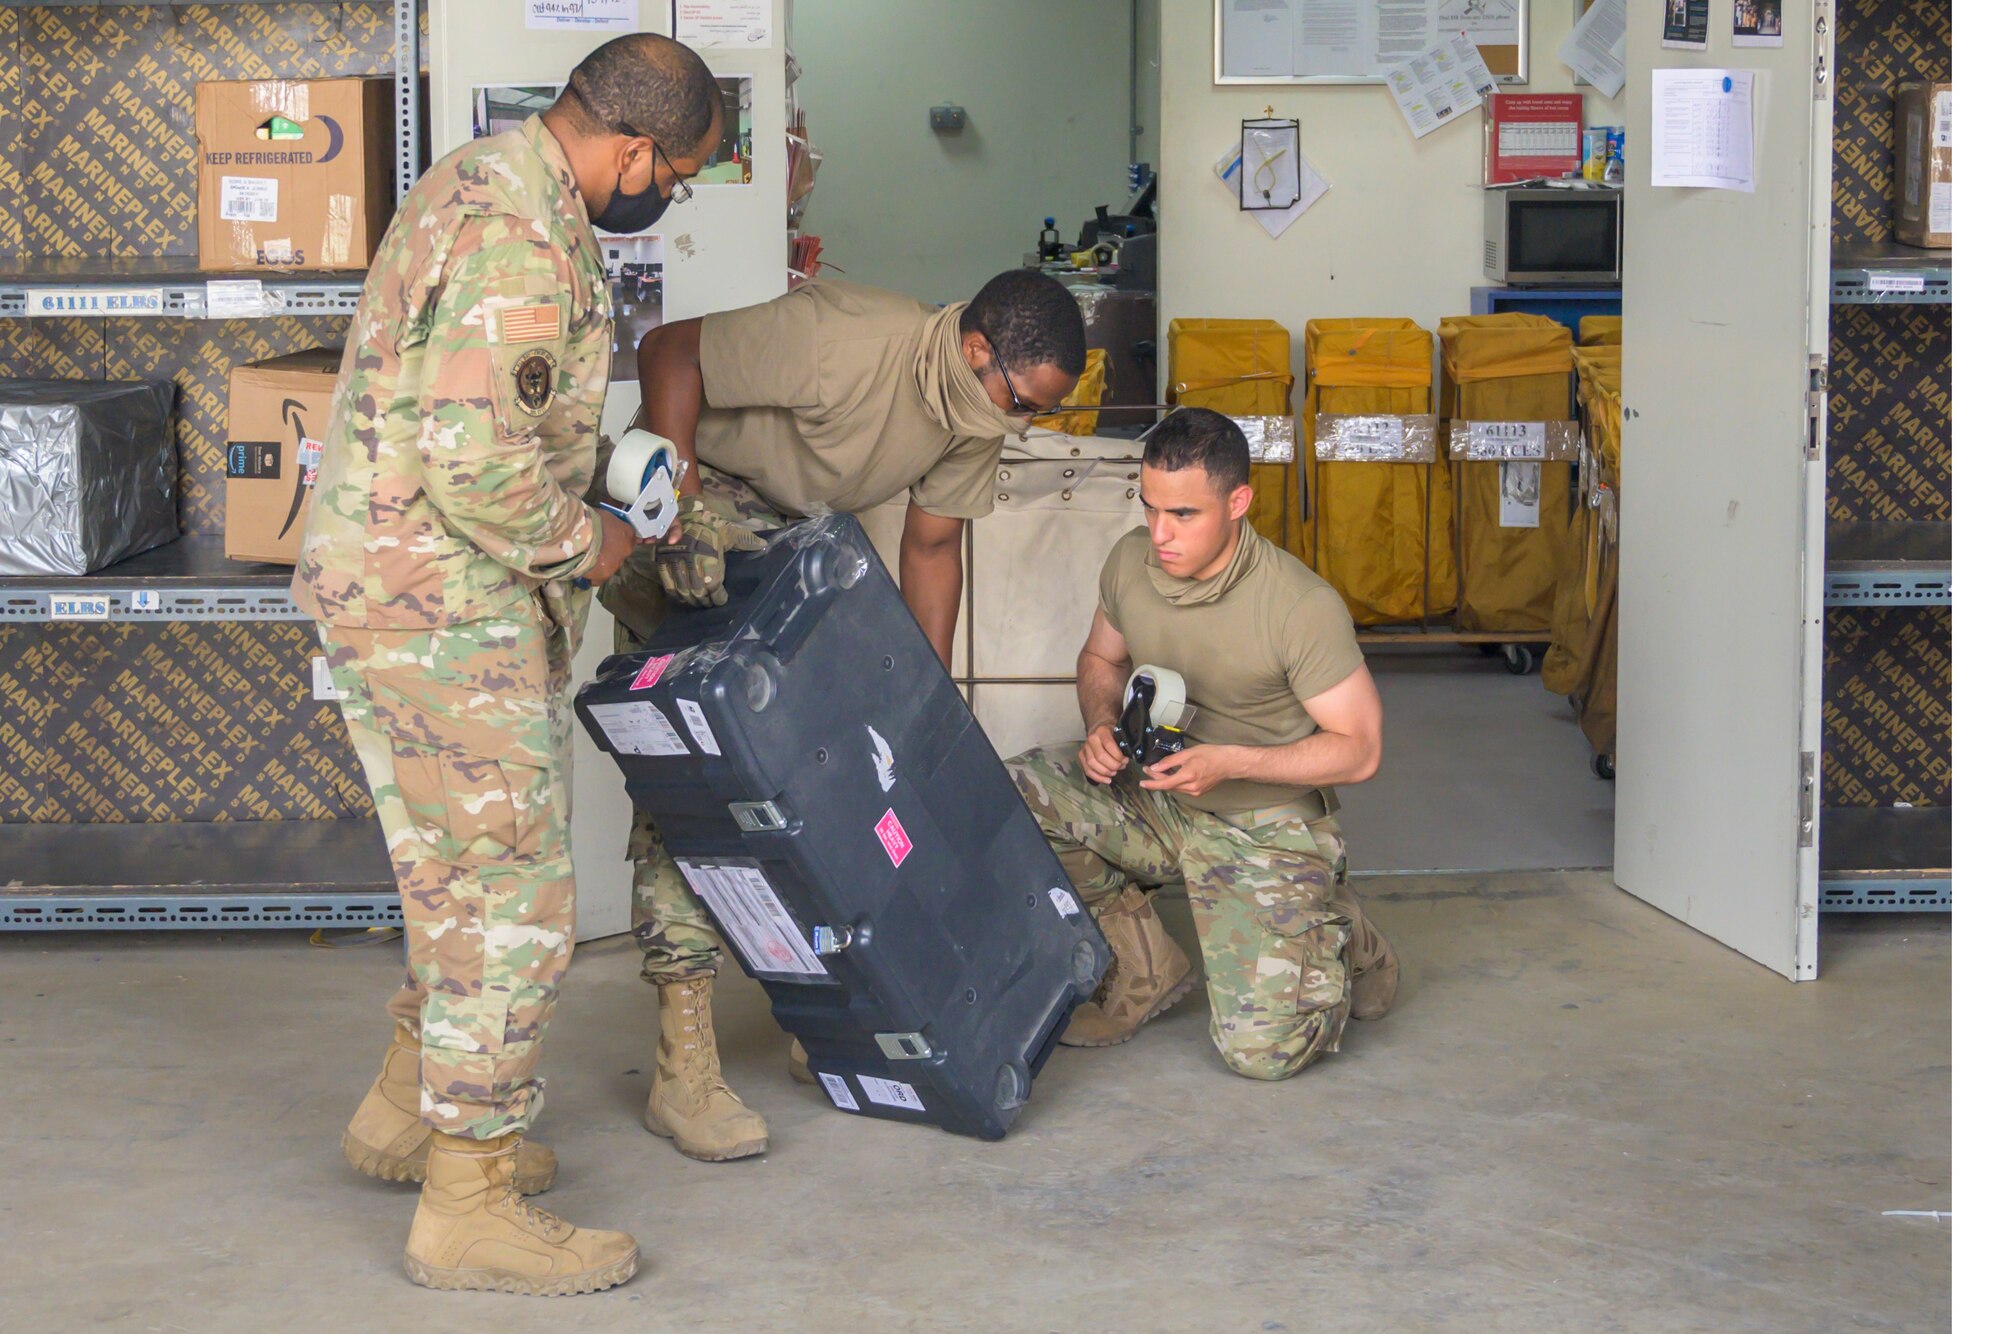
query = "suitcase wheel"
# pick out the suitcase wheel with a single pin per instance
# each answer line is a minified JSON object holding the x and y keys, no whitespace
{"x":1602,"y":766}
{"x":1010,"y":1087}
{"x":1086,"y":969}
{"x":1519,"y":658}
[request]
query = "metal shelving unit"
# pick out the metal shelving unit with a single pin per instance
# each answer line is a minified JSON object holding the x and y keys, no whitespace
{"x":188,"y":580}
{"x":173,"y":287}
{"x":224,"y":874}
{"x":1888,"y":564}
{"x":1885,"y":859}
{"x":1890,"y":273}
{"x":133,"y":877}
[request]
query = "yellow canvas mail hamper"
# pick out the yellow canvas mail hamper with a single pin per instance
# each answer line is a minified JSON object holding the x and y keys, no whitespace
{"x":1595,"y":694}
{"x":1577,"y":581}
{"x":1243,"y":369}
{"x":1381,"y":531}
{"x":1511,"y":518}
{"x":1078,"y":416}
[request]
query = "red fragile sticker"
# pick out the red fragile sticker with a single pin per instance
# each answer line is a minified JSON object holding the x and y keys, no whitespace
{"x":894,"y":841}
{"x":649,"y":675}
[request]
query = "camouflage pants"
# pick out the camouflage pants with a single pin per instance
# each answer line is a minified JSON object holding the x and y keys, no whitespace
{"x":1274,"y":939}
{"x":464,"y":735}
{"x":677,"y":937}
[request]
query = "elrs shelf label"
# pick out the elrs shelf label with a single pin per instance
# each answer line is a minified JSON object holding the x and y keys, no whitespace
{"x":97,"y":301}
{"x":79,"y":607}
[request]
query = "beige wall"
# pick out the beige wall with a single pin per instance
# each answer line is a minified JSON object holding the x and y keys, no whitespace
{"x":1398,"y":232}
{"x":1045,"y":88}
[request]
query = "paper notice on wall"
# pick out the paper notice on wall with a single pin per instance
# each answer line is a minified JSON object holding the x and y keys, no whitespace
{"x":1703,"y":128}
{"x":638,"y":729}
{"x":249,"y":199}
{"x":755,"y":917}
{"x":1595,"y":47}
{"x":1491,"y":22}
{"x":1442,"y":84}
{"x":1520,"y":495}
{"x":1404,"y":30}
{"x":717,"y":23}
{"x":585,"y":15}
{"x":1685,"y":27}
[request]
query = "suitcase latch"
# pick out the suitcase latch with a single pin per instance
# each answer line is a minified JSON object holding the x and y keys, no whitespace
{"x":903,"y":1046}
{"x":758,"y":817}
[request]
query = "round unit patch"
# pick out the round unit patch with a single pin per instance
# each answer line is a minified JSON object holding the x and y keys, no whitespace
{"x":535,"y":381}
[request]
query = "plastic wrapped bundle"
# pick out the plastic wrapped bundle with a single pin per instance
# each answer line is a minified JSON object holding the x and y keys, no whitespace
{"x":88,"y":473}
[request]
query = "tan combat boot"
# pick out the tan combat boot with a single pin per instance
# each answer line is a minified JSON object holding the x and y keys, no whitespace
{"x":1372,"y":969}
{"x":1148,"y":973}
{"x":474,"y":1233}
{"x":388,"y":1140}
{"x":690,"y":1104}
{"x":796,"y":1064}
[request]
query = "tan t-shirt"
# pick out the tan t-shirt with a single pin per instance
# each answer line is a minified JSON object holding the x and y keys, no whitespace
{"x":812,"y":398}
{"x":1253,"y":643}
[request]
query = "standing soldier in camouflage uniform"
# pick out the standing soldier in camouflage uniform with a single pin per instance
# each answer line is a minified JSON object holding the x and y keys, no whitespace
{"x":1244,"y":815}
{"x":441,"y":559}
{"x":835,"y":396}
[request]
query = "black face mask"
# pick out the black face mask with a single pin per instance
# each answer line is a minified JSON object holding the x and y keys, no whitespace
{"x":627,"y":215}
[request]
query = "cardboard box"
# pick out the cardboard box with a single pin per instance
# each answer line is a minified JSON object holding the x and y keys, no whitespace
{"x":1533,"y":135}
{"x":278,"y":414}
{"x":295,"y":174}
{"x":1923,"y":164}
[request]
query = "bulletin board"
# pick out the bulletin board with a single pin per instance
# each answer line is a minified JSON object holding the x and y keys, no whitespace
{"x":1351,"y":41}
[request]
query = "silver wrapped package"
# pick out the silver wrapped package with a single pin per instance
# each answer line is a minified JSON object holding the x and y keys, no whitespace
{"x":88,"y":473}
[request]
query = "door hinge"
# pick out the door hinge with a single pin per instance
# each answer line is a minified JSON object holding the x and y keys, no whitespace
{"x":1815,"y":406}
{"x":1808,"y":798}
{"x":1822,"y":49}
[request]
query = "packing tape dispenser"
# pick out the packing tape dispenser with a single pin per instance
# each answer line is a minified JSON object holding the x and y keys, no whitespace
{"x":644,"y":479}
{"x":1156,"y":716}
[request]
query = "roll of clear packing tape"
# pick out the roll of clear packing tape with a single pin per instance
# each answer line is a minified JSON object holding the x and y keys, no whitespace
{"x":634,"y":460}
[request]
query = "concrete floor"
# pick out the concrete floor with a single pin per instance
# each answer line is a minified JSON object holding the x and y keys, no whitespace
{"x":1581,"y":1116}
{"x":1479,"y":769}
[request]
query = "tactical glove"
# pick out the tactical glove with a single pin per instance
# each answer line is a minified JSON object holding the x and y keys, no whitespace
{"x":691,"y":569}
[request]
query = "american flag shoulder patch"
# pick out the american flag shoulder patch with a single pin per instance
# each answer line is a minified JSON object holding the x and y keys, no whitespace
{"x":531,"y":324}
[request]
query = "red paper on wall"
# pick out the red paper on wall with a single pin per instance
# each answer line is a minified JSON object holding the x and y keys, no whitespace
{"x":1532,"y":135}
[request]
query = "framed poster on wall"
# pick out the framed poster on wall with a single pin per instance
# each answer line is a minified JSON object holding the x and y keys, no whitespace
{"x":1358,"y":41}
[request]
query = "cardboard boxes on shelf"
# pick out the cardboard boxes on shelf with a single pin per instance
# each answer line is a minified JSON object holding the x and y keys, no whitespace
{"x":1923,"y":164}
{"x":278,"y":413}
{"x":295,"y":174}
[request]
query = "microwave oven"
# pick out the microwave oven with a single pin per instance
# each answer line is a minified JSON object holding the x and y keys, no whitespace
{"x":1556,"y":236}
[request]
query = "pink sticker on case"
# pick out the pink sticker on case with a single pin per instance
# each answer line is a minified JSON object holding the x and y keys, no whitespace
{"x":649,"y":675}
{"x":894,"y":841}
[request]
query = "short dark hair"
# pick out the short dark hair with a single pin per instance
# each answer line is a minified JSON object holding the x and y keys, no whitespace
{"x":1203,"y":438}
{"x":1030,"y":319}
{"x":651,"y":83}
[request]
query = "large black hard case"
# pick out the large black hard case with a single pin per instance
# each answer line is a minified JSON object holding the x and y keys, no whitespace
{"x":815,"y":771}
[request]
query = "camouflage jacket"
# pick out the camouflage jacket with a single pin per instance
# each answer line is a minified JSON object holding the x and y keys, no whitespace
{"x":464,"y":429}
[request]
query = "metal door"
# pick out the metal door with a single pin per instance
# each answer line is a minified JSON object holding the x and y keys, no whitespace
{"x":1723,"y":510}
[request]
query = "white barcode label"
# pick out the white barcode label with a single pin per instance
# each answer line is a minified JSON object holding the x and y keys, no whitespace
{"x":1941,"y":207}
{"x":754,"y":916}
{"x":698,"y":727}
{"x":235,"y":298}
{"x":1065,"y":902}
{"x":1941,"y":120}
{"x":638,"y":729}
{"x":843,"y":1096}
{"x":889,"y":1093}
{"x":1895,"y":282}
{"x":249,"y":199}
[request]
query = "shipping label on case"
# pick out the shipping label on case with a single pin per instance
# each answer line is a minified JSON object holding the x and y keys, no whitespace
{"x":79,"y":607}
{"x":756,"y":919}
{"x":650,"y":674}
{"x":638,"y":729}
{"x":843,"y":1096}
{"x":698,"y":728}
{"x":890,"y":1093}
